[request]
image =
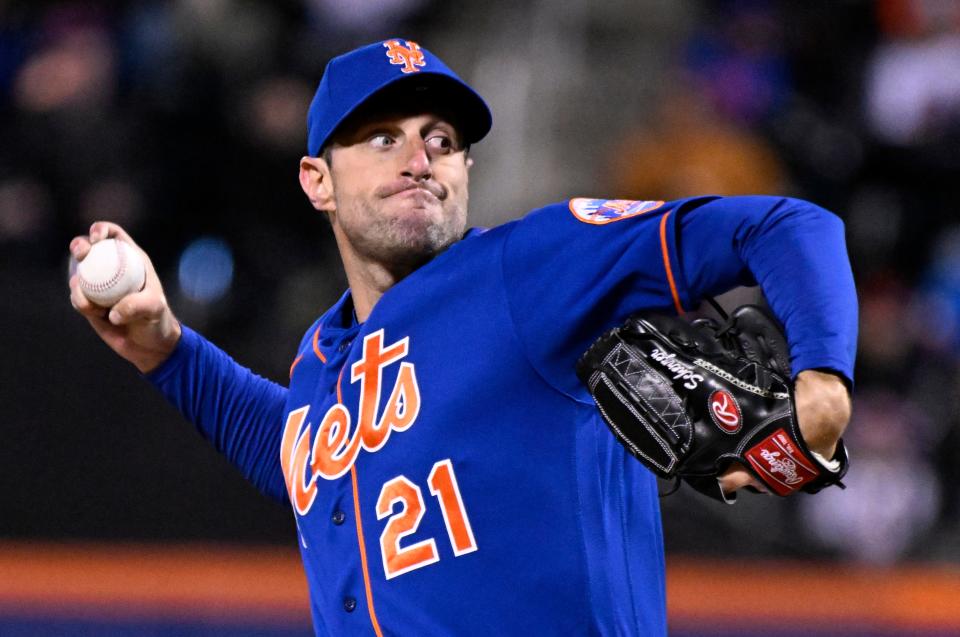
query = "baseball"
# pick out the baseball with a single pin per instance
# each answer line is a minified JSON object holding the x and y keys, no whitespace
{"x":111,"y":270}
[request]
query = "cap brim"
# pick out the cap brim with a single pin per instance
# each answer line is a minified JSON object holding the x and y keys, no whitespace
{"x":434,"y":92}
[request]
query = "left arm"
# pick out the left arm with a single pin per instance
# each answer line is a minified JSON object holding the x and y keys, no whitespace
{"x":796,"y":252}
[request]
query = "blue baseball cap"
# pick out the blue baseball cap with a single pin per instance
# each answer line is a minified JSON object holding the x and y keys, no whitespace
{"x":353,"y":78}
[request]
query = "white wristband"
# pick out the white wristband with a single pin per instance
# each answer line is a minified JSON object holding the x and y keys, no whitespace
{"x":833,"y":466}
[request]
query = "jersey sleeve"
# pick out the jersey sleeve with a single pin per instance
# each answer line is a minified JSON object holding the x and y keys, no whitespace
{"x":571,"y":272}
{"x":574,"y":269}
{"x":796,"y":252}
{"x":240,"y":413}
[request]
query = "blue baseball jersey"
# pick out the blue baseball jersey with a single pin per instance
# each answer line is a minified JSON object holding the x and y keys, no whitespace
{"x":447,"y":471}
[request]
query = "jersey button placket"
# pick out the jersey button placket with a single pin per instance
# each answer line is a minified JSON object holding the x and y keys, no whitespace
{"x":338,"y":517}
{"x":349,"y":604}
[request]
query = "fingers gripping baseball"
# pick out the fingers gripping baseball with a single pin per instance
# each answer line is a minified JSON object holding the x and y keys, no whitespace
{"x":109,"y":267}
{"x":135,"y":322}
{"x":142,"y":306}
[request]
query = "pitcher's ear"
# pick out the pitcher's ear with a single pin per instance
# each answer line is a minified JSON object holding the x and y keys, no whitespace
{"x":317,"y":183}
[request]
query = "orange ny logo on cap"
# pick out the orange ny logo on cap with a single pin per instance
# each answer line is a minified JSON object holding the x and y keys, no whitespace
{"x":410,"y":56}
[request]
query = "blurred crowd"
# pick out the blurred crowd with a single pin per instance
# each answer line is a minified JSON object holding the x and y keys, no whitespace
{"x":184,"y":120}
{"x":855,"y":106}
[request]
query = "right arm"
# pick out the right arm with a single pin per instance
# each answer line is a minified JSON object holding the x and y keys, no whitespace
{"x":240,"y":413}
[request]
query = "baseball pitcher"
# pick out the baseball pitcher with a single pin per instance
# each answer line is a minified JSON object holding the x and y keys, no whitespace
{"x":451,"y":468}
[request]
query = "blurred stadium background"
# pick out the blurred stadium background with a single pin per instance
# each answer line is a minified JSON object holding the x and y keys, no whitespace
{"x":183,"y":120}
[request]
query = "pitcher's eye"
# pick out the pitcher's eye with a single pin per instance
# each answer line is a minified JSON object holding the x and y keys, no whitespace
{"x":440,"y":142}
{"x":381,"y":141}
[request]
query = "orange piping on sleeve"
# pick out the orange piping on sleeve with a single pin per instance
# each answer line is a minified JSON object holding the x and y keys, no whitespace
{"x":316,"y":347}
{"x":296,"y":362}
{"x":666,"y":264}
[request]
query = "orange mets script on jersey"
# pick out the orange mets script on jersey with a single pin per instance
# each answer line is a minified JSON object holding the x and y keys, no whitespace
{"x":409,"y":57}
{"x":336,"y":447}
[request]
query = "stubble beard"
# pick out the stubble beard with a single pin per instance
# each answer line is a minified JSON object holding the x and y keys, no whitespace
{"x":405,"y":240}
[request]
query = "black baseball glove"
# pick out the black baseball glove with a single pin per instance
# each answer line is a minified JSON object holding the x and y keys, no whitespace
{"x":687,"y":399}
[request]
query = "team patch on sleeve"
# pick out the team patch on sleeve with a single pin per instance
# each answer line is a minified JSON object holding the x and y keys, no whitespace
{"x":601,"y":211}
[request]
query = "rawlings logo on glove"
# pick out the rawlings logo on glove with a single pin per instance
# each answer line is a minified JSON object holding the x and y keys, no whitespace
{"x":687,"y":399}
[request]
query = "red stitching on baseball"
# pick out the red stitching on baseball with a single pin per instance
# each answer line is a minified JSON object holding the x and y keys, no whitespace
{"x":112,"y":281}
